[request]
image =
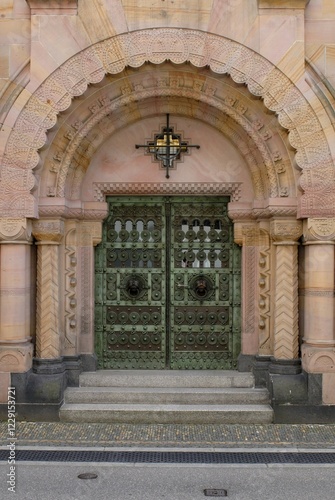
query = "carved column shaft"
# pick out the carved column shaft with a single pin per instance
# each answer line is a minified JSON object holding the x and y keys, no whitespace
{"x":246,"y":235}
{"x":90,"y":236}
{"x":318,"y":293}
{"x":285,"y":234}
{"x":317,"y":290}
{"x":15,"y":296}
{"x":49,"y":235}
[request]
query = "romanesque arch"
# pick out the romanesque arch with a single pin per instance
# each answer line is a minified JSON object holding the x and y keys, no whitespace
{"x":222,"y":56}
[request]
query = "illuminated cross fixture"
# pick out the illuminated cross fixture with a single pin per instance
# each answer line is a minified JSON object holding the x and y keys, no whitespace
{"x":167,"y":146}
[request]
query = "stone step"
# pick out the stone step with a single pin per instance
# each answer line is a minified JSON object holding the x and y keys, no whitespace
{"x":167,"y":378}
{"x":166,"y":414}
{"x":166,"y":395}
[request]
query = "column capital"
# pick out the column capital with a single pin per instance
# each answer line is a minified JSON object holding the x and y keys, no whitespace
{"x":16,"y":230}
{"x":246,"y":233}
{"x":91,"y":233}
{"x":48,"y":230}
{"x":319,"y":230}
{"x":285,"y":231}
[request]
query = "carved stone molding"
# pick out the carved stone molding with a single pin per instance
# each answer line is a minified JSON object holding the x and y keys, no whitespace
{"x":282,"y":4}
{"x":71,"y":292}
{"x":316,"y":293}
{"x":285,"y":231}
{"x":222,"y":55}
{"x":142,"y":188}
{"x":15,"y":230}
{"x":53,"y":7}
{"x":264,"y":293}
{"x":318,"y":359}
{"x":237,"y":212}
{"x":97,"y":214}
{"x":320,"y":229}
{"x":48,"y":231}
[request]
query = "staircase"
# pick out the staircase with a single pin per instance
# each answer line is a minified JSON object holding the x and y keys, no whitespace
{"x":167,"y":397}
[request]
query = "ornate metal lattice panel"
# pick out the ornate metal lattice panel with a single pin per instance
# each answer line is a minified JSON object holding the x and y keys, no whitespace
{"x":205,"y":287}
{"x":168,"y":285}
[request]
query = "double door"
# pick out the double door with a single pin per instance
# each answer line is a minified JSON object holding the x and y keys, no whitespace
{"x":167,"y":285}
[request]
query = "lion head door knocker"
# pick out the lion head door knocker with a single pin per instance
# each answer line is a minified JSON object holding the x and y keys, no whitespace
{"x":201,"y":287}
{"x":134,"y":286}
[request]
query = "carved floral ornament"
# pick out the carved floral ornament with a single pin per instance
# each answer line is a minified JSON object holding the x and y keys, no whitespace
{"x":15,"y":230}
{"x":320,"y":229}
{"x":222,"y":55}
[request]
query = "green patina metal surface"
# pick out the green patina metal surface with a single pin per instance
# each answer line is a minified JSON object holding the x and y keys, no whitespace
{"x":168,"y":285}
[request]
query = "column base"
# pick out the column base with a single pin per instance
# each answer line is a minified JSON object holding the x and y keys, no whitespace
{"x":16,"y":358}
{"x":296,"y":396}
{"x":245,"y":362}
{"x":39,"y":392}
{"x":318,"y":359}
{"x":261,"y":370}
{"x":89,"y":362}
{"x":73,"y":367}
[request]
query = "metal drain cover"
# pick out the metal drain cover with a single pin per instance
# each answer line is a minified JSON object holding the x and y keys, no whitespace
{"x":215,"y":492}
{"x":88,"y":475}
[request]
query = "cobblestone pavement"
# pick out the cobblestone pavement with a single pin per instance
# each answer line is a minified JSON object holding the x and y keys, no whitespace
{"x":168,"y":435}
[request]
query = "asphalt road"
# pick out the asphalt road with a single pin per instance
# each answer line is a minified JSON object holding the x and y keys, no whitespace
{"x":59,"y":481}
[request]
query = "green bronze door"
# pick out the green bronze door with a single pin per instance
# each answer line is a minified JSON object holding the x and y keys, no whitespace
{"x":167,"y":285}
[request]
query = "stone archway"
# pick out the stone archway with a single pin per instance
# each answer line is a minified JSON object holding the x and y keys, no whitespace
{"x":221,"y":55}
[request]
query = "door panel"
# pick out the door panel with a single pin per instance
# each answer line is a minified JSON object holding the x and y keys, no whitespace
{"x":203,"y":288}
{"x":130,"y":286}
{"x":167,"y":285}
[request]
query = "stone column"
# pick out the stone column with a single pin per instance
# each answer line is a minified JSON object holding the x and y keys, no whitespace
{"x":285,"y":234}
{"x":48,"y":234}
{"x":317,"y":289}
{"x":16,"y":349}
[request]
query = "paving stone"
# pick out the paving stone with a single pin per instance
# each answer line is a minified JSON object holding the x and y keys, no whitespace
{"x":170,"y":435}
